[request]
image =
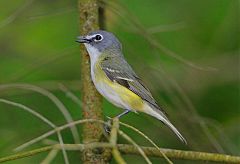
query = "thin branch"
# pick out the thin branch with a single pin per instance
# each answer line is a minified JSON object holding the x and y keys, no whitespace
{"x":26,"y":154}
{"x":70,"y":147}
{"x":49,"y":133}
{"x":70,"y":95}
{"x":44,"y":119}
{"x":130,"y":149}
{"x":65,"y":157}
{"x":49,"y":142}
{"x":114,"y":130}
{"x":138,"y":148}
{"x":53,"y":98}
{"x":146,"y":137}
{"x":113,"y":140}
{"x":117,"y":156}
{"x":181,"y":154}
{"x":50,"y":85}
{"x":51,"y":155}
{"x":36,"y":114}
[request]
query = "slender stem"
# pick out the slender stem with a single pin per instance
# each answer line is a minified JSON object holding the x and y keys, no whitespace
{"x":180,"y":154}
{"x":131,"y":141}
{"x":146,"y":137}
{"x":49,"y":158}
{"x":130,"y":149}
{"x":26,"y":154}
{"x":113,"y":140}
{"x":117,"y":156}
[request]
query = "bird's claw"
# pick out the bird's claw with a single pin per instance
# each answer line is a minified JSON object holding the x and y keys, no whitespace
{"x":107,"y":125}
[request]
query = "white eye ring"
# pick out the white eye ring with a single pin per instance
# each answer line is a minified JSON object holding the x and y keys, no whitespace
{"x":98,"y":38}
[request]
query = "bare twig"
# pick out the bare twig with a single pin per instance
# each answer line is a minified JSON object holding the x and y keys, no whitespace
{"x":70,"y":95}
{"x":117,"y":156}
{"x":146,"y":137}
{"x":45,"y":135}
{"x":113,"y":140}
{"x":70,"y":147}
{"x":129,"y":139}
{"x":36,"y":114}
{"x":130,"y":149}
{"x":181,"y":154}
{"x":65,"y":157}
{"x":114,"y":130}
{"x":26,"y":154}
{"x":44,"y":119}
{"x":51,"y":155}
{"x":52,"y":97}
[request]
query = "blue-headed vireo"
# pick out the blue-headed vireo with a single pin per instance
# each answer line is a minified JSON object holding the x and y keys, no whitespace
{"x":115,"y":79}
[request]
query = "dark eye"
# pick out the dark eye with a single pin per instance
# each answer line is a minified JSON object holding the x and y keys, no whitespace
{"x":98,"y":37}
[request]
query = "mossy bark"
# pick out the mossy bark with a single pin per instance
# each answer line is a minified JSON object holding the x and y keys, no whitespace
{"x":91,"y":100}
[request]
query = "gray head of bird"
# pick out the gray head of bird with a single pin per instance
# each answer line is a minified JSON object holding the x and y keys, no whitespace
{"x":100,"y":41}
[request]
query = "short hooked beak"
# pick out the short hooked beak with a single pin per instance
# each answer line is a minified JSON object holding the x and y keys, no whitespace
{"x":82,"y":39}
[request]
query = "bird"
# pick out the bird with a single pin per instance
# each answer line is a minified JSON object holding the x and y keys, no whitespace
{"x":115,"y":79}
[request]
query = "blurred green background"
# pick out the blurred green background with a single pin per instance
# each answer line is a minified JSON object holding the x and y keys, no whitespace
{"x":186,"y":51}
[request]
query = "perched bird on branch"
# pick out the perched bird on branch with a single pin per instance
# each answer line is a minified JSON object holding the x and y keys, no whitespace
{"x":114,"y":78}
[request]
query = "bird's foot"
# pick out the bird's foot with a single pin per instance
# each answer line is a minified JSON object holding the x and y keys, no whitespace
{"x":107,"y":125}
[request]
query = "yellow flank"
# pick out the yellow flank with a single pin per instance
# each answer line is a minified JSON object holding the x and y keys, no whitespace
{"x":127,"y":96}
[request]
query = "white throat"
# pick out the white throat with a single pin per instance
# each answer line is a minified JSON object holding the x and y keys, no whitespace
{"x":93,"y":53}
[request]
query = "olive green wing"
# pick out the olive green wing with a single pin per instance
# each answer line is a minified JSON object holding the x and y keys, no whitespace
{"x":118,"y":70}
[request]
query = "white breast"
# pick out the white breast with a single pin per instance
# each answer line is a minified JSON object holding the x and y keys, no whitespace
{"x":102,"y":87}
{"x":110,"y":95}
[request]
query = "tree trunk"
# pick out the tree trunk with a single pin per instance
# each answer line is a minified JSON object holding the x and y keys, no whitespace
{"x":92,"y":101}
